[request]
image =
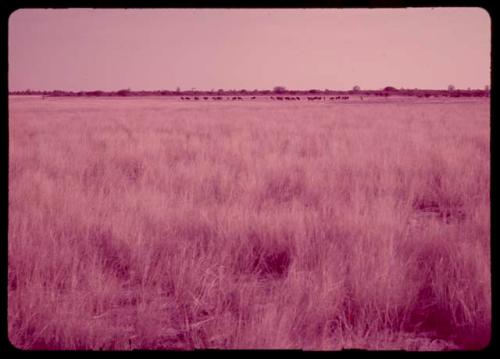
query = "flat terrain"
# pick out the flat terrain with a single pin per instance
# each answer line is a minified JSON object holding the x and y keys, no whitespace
{"x":167,"y":224}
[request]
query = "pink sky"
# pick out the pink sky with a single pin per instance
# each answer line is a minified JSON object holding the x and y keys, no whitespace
{"x":85,"y":49}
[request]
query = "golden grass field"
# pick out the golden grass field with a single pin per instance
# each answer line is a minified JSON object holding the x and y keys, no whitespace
{"x":147,"y":223}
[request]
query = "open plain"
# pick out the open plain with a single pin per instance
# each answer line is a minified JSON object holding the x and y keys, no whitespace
{"x":157,"y":223}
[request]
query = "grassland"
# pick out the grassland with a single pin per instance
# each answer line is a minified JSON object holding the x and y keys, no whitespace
{"x":159,"y":224}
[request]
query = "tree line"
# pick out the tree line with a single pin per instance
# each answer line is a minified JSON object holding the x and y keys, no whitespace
{"x":278,"y":90}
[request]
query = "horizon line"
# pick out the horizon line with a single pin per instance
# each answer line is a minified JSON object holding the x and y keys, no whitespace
{"x":283,"y":89}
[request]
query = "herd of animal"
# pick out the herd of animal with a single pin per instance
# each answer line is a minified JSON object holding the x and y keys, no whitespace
{"x":274,"y":98}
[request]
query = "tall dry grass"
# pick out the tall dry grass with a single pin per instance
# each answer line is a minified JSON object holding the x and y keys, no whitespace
{"x":142,"y":223}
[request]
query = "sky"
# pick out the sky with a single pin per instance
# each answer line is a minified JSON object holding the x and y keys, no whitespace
{"x":204,"y":49}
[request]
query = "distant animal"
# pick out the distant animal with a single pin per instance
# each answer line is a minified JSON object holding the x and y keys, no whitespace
{"x":253,"y":97}
{"x":205,"y":98}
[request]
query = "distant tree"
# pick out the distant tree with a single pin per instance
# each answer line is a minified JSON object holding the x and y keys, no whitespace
{"x":451,"y":88}
{"x":178,"y":89}
{"x":486,"y":88}
{"x":279,"y":89}
{"x":356,"y":88}
{"x":95,"y":93}
{"x":390,"y":88}
{"x":124,"y":92}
